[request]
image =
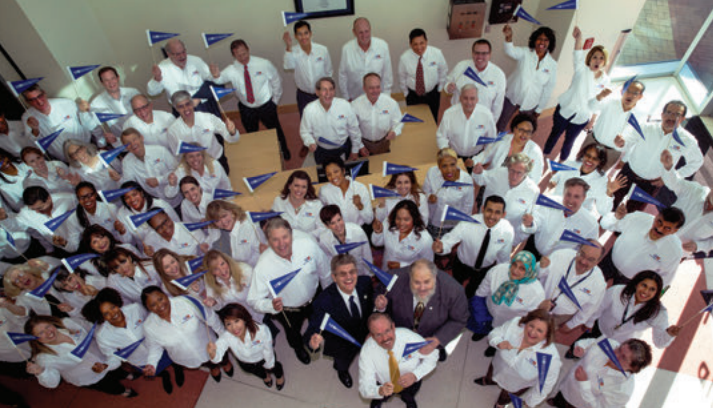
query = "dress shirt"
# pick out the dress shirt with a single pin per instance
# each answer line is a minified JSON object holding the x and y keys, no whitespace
{"x":613,"y":120}
{"x":612,"y":311}
{"x":203,"y":132}
{"x":156,"y":132}
{"x":461,"y":133}
{"x":105,"y":103}
{"x":331,"y":194}
{"x":111,"y":338}
{"x":130,"y":288}
{"x":191,"y":213}
{"x":691,"y":198}
{"x":265,"y":81}
{"x":12,"y":190}
{"x":105,"y":215}
{"x":575,"y":102}
{"x":470,"y":236}
{"x":589,"y":292}
{"x":355,"y":63}
{"x":434,"y":65}
{"x":173,"y":78}
{"x":144,"y":229}
{"x":53,"y":183}
{"x":233,"y":294}
{"x":99,"y":175}
{"x":378,"y":119}
{"x":245,"y":241}
{"x":597,"y":198}
{"x":519,"y":199}
{"x":35,"y":222}
{"x":382,"y":213}
{"x":346,"y":297}
{"x":307,"y":257}
{"x":492,"y":96}
{"x":405,"y":251}
{"x":528,"y":297}
{"x":354,"y":233}
{"x":252,"y":350}
{"x":496,"y":153}
{"x":374,"y":362}
{"x":208,"y":181}
{"x":460,"y":197}
{"x":548,"y":224}
{"x":643,"y":155}
{"x":661,"y":256}
{"x":309,"y":68}
{"x":183,"y":242}
{"x":516,"y":369}
{"x":533,"y":81}
{"x":15,"y":139}
{"x":305,"y":218}
{"x":157,"y":163}
{"x":63,"y":115}
{"x":184,"y":337}
{"x":336,"y":125}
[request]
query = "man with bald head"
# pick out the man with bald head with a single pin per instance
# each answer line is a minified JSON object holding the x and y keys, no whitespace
{"x":360,"y":56}
{"x":152,"y":124}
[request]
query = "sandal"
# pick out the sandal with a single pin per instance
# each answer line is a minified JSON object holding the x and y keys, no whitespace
{"x":268,"y":384}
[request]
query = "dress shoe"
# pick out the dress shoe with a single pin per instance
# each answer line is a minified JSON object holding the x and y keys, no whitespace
{"x":303,"y":356}
{"x":442,"y":355}
{"x":216,"y":377}
{"x":478,"y":337}
{"x":166,"y":382}
{"x":180,"y":376}
{"x":279,"y":386}
{"x":286,"y":155}
{"x":303,"y":151}
{"x":345,"y":378}
{"x":375,"y":404}
{"x":230,"y":372}
{"x":489,"y":352}
{"x":268,"y":384}
{"x":411,"y":405}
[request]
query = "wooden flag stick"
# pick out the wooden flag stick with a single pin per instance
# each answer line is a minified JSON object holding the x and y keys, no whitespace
{"x":690,"y":319}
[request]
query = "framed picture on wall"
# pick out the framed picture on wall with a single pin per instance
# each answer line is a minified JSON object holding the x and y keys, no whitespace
{"x":325,"y":8}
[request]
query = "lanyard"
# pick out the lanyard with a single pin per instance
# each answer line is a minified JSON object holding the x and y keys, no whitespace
{"x":569,"y":269}
{"x":625,"y":319}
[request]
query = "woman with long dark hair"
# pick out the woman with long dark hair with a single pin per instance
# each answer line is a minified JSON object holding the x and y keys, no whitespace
{"x":130,"y":274}
{"x":407,"y":186}
{"x":299,"y":203}
{"x":403,"y":236}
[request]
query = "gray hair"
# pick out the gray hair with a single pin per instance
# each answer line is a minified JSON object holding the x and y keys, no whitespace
{"x":91,"y":150}
{"x":423,"y":263}
{"x":179,"y":96}
{"x":275,"y":223}
{"x":467,"y":87}
{"x":520,"y":158}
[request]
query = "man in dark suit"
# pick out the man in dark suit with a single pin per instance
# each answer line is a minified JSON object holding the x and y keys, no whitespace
{"x":349,"y":301}
{"x":429,"y":302}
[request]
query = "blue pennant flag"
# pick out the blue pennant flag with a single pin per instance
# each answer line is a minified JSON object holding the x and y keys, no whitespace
{"x":381,"y":192}
{"x":543,"y":367}
{"x":410,"y":119}
{"x":125,"y":352}
{"x":10,"y":239}
{"x":195,"y":263}
{"x":210,"y":39}
{"x":333,"y":327}
{"x":328,"y":142}
{"x":448,"y":183}
{"x":197,"y":304}
{"x":42,"y":290}
{"x":19,"y":338}
{"x":218,"y":93}
{"x":470,"y":73}
{"x":516,"y":401}
{"x":609,"y":351}
{"x":45,"y":142}
{"x":554,"y":166}
{"x":137,"y":220}
{"x":567,"y":5}
{"x":110,"y":155}
{"x":289,"y":17}
{"x":545,"y":201}
{"x":19,"y":86}
{"x":627,"y":84}
{"x":186,"y":281}
{"x":192,"y":226}
{"x":219,"y":193}
{"x":83,"y":347}
{"x":707,"y":297}
{"x":276,"y":285}
{"x":637,"y":194}
{"x":454,"y":214}
{"x":111,"y":195}
{"x":106,"y":117}
{"x":520,"y":12}
{"x":677,"y":137}
{"x":259,"y":216}
{"x":184,"y":147}
{"x":484,"y":140}
{"x":385,"y":278}
{"x":158,"y":36}
{"x":344,"y":248}
{"x":567,"y":291}
{"x":571,"y":236}
{"x":354,"y":171}
{"x":635,"y":124}
{"x":80,"y":71}
{"x":412,"y":347}
{"x":75,"y":261}
{"x":390,"y":168}
{"x":255,"y":181}
{"x":54,"y":223}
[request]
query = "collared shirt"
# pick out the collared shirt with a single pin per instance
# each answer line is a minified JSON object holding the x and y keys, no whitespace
{"x":576,"y":101}
{"x":643,"y":155}
{"x":346,"y":297}
{"x":378,"y":119}
{"x":231,"y":293}
{"x":191,"y":213}
{"x":461,"y":133}
{"x":105,"y":103}
{"x":355,"y":63}
{"x":691,"y":198}
{"x":308,"y":67}
{"x":64,"y":115}
{"x":613,"y":121}
{"x":496,"y":153}
{"x":548,"y":224}
{"x":589,"y":292}
{"x":15,"y":139}
{"x":374,"y":362}
{"x":528,"y":297}
{"x":156,"y":132}
{"x":460,"y":197}
{"x":111,"y":338}
{"x":130,"y":288}
{"x":354,"y":233}
{"x":434,"y":66}
{"x":157,"y":163}
{"x":516,"y":369}
{"x":470,"y":236}
{"x":382,"y":213}
{"x":99,"y":174}
{"x":307,"y":257}
{"x":245,"y":242}
{"x":209,"y":181}
{"x":597,"y":198}
{"x":105,"y":215}
{"x":335,"y":125}
{"x":53,"y":183}
{"x":251,"y":350}
{"x":405,"y":251}
{"x":183,"y":242}
{"x":202,"y":132}
{"x":35,"y":222}
{"x":304,"y":218}
{"x":661,"y":256}
{"x":519,"y":199}
{"x":532,"y":82}
{"x":492,"y":96}
{"x":173,"y":78}
{"x":144,"y":229}
{"x":265,"y":81}
{"x":331,"y":194}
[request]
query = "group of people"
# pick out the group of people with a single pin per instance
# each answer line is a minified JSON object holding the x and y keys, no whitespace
{"x":506,"y":263}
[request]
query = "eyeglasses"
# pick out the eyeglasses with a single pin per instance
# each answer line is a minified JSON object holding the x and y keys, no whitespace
{"x":86,"y":197}
{"x":141,"y":108}
{"x":40,"y":96}
{"x":674,"y":114}
{"x":525,"y":131}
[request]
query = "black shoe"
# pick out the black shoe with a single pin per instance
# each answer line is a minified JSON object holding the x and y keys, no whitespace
{"x":482,"y":381}
{"x":268,"y":384}
{"x":345,"y":378}
{"x":230,"y":372}
{"x":180,"y":376}
{"x":375,"y":404}
{"x":166,"y":382}
{"x":278,"y":386}
{"x":478,"y":336}
{"x":489,"y":352}
{"x":286,"y":155}
{"x":216,"y":377}
{"x":442,"y":355}
{"x":411,"y":405}
{"x":303,"y":356}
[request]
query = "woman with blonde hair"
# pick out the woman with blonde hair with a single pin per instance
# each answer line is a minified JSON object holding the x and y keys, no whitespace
{"x":227,"y":281}
{"x":204,"y":168}
{"x":19,"y":280}
{"x":239,"y":236}
{"x":169,"y":266}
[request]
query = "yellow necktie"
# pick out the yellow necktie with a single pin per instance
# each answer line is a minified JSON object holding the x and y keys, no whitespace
{"x":394,"y":372}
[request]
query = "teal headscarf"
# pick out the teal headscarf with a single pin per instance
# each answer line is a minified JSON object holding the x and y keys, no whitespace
{"x":508,"y":290}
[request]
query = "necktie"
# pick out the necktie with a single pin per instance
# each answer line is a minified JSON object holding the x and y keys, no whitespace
{"x":420,"y":83}
{"x":249,"y":87}
{"x":353,"y":309}
{"x":394,"y":372}
{"x":483,"y":250}
{"x":417,"y":314}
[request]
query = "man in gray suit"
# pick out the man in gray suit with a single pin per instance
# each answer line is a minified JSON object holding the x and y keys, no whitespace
{"x":429,"y":302}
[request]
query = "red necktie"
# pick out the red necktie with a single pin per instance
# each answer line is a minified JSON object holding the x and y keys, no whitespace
{"x":420,"y":83}
{"x":249,"y":87}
